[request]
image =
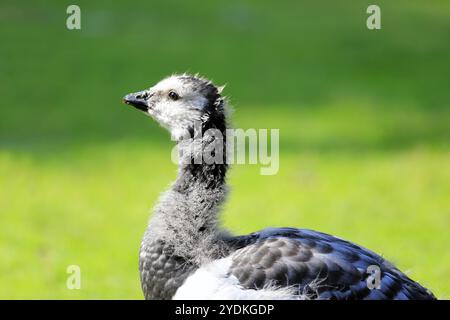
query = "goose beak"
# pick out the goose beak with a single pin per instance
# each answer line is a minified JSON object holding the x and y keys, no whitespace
{"x":136,"y":100}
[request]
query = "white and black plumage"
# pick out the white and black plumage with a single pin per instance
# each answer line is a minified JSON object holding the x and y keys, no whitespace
{"x":185,"y":255}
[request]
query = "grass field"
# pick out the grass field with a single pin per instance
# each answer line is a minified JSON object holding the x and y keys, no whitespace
{"x":363,"y":118}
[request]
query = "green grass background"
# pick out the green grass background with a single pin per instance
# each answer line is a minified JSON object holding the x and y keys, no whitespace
{"x":363,"y":118}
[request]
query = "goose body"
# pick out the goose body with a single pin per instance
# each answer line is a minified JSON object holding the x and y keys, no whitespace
{"x":186,"y":255}
{"x":277,"y":263}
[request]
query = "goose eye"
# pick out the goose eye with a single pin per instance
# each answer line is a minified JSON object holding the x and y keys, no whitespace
{"x":173,"y":95}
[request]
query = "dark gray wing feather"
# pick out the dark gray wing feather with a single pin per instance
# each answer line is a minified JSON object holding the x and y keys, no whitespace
{"x":318,"y":265}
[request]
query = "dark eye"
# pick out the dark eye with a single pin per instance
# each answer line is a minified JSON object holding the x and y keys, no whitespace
{"x":173,"y":95}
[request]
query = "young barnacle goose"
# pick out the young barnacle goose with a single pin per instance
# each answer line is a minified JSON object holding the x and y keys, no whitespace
{"x":186,"y":255}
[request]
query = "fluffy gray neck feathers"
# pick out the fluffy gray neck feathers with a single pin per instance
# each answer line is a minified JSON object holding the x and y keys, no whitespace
{"x":186,"y":216}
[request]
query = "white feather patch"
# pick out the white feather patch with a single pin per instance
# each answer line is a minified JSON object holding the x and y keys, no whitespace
{"x":212,"y":282}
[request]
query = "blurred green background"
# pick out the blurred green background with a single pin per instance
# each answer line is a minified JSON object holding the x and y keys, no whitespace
{"x":363,"y":116}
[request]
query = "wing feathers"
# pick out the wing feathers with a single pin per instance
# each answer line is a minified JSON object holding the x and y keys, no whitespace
{"x":321,"y":265}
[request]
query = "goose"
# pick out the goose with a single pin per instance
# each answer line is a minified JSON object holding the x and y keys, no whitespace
{"x":186,"y":254}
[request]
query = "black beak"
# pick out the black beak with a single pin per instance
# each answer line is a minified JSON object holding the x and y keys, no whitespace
{"x":137,"y":100}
